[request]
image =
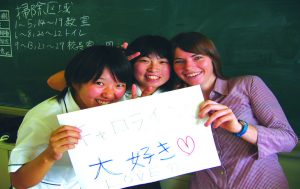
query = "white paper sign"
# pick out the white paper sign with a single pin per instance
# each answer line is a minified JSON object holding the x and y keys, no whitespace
{"x":141,"y":140}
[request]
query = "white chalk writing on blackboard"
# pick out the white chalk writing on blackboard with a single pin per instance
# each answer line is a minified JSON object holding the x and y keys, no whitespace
{"x":5,"y":34}
{"x":50,"y":25}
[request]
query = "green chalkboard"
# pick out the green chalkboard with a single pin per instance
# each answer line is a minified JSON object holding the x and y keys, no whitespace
{"x":37,"y":38}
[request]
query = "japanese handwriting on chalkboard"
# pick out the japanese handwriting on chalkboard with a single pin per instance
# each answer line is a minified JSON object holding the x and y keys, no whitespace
{"x":5,"y":34}
{"x":50,"y":25}
{"x":39,"y":9}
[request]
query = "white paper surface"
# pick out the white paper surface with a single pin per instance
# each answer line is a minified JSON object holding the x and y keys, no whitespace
{"x":141,"y":140}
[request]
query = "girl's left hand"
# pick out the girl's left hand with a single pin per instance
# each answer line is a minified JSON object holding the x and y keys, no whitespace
{"x":219,"y":116}
{"x":132,"y":56}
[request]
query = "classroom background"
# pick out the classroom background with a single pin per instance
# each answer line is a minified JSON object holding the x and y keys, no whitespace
{"x":38,"y":38}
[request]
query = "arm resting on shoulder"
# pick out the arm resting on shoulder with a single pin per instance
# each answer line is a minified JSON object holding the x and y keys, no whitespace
{"x":57,"y":81}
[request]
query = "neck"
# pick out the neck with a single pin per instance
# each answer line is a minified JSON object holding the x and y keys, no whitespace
{"x":208,"y":87}
{"x":142,"y":88}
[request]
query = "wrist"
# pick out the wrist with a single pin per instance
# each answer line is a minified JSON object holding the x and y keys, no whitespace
{"x":243,"y":130}
{"x":49,"y":157}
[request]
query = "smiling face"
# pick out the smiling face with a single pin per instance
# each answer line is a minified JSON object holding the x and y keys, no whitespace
{"x":151,"y":71}
{"x":194,"y":69}
{"x":104,"y":90}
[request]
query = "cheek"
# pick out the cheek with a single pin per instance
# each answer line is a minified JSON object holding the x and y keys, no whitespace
{"x":139,"y":68}
{"x":119,"y":93}
{"x":93,"y":92}
{"x":207,"y":64}
{"x":177,"y":69}
{"x":166,"y":70}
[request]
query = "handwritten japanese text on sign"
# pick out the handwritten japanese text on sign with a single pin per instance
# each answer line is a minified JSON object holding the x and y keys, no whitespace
{"x":141,"y":140}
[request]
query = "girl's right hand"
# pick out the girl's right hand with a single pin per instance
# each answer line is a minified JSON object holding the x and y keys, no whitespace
{"x":61,"y":140}
{"x":146,"y":92}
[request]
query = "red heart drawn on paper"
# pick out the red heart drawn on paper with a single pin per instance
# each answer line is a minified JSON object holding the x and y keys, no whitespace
{"x":187,"y":145}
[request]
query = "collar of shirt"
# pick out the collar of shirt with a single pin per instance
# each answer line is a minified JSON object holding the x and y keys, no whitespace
{"x":70,"y":102}
{"x":220,"y":89}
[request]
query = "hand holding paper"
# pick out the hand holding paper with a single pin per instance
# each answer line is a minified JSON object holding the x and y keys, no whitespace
{"x":141,"y":140}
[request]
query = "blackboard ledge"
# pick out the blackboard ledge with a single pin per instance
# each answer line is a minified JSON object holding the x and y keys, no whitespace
{"x":12,"y":111}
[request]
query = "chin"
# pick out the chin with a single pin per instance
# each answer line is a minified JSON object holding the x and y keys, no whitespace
{"x":191,"y":83}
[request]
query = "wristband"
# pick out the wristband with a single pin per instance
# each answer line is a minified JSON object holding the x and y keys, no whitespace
{"x":244,"y":128}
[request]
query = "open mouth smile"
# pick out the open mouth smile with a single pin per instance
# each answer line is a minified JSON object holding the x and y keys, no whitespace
{"x":101,"y":102}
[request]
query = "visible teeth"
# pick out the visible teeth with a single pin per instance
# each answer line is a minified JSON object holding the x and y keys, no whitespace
{"x":192,"y":74}
{"x":102,"y":102}
{"x":154,"y":77}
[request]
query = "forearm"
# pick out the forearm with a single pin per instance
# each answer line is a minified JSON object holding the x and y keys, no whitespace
{"x":275,"y":140}
{"x":275,"y":134}
{"x":32,"y":172}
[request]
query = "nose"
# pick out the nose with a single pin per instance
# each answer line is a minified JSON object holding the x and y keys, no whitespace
{"x":189,"y":63}
{"x":108,"y":93}
{"x":154,"y":65}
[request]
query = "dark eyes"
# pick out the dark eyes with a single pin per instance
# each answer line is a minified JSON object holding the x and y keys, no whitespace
{"x":99,"y":83}
{"x":178,"y":61}
{"x":164,"y":62}
{"x":197,"y":57}
{"x":118,"y":85}
{"x":143,"y":60}
{"x":146,"y":60}
{"x":121,"y":85}
{"x":194,"y":58}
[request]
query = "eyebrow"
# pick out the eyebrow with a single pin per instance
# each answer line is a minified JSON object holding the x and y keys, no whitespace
{"x":193,"y":55}
{"x":115,"y":79}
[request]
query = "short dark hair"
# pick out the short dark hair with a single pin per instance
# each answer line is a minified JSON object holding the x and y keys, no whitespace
{"x":195,"y":42}
{"x":88,"y":64}
{"x":153,"y":44}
